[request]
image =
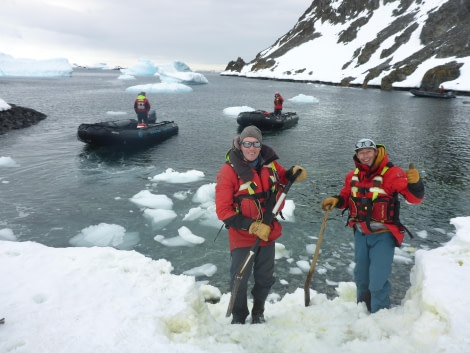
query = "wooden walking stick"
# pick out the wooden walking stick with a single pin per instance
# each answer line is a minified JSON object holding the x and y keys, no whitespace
{"x":314,"y":261}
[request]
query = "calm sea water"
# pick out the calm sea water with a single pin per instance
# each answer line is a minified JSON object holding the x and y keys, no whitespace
{"x":62,"y":186}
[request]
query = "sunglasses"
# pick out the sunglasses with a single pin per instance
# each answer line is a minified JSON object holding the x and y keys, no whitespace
{"x":364,"y":144}
{"x":248,"y":144}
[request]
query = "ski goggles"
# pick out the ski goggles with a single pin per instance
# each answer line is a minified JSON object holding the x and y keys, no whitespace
{"x":365,"y":143}
{"x":248,"y":144}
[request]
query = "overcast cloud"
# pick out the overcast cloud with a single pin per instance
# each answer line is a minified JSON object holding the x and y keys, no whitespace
{"x":201,"y":33}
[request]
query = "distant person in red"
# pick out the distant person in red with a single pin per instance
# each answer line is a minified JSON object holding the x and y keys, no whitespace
{"x":142,"y":108}
{"x":441,"y":89}
{"x":278,"y":100}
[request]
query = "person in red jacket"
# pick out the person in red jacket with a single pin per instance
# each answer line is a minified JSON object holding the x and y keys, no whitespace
{"x":142,"y":108}
{"x":248,"y":179}
{"x":370,"y":193}
{"x":278,"y":101}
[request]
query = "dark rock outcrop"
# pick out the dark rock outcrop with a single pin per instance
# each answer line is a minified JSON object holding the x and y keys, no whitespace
{"x":433,"y":78}
{"x":236,"y":65}
{"x":19,"y":118}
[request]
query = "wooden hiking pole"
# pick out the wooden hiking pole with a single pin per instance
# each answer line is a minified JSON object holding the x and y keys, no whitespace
{"x":314,"y":261}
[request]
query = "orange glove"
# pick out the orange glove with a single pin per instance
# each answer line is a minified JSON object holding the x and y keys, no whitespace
{"x":329,"y":203}
{"x":303,"y":173}
{"x":261,"y":230}
{"x":412,"y":174}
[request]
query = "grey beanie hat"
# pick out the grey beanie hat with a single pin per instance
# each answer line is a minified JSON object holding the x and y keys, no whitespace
{"x":251,"y":131}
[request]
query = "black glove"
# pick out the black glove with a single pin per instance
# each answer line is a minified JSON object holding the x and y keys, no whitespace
{"x":300,"y":177}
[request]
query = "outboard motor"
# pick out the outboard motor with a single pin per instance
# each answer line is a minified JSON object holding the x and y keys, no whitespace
{"x":152,"y":118}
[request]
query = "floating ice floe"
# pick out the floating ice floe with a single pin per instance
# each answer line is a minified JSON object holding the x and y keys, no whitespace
{"x":185,"y":238}
{"x":302,"y":98}
{"x":7,"y":234}
{"x":104,"y":235}
{"x":205,"y":270}
{"x":281,"y":251}
{"x":194,"y":213}
{"x":159,"y":217}
{"x":234,"y":111}
{"x":8,"y":162}
{"x":145,"y":198}
{"x":172,"y":176}
{"x":187,"y":235}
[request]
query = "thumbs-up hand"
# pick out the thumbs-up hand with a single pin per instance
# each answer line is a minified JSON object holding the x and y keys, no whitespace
{"x":412,"y":174}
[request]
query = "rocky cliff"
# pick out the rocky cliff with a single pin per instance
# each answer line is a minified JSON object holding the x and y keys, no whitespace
{"x":380,"y":43}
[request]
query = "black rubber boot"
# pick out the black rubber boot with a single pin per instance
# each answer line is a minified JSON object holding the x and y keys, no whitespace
{"x":257,"y":313}
{"x":365,"y":297}
{"x":237,"y":320}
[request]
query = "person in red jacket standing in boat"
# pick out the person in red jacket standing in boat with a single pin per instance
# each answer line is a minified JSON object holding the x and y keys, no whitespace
{"x":250,"y":177}
{"x":278,"y":101}
{"x":142,"y":108}
{"x":370,"y":192}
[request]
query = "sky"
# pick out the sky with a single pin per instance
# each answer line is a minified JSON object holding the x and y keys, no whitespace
{"x":95,"y":296}
{"x":204,"y":35}
{"x":201,"y":33}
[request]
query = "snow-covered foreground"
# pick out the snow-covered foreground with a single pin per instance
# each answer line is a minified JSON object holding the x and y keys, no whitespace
{"x":101,"y":299}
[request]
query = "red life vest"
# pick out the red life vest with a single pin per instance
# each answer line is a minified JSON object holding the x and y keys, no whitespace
{"x":372,"y":195}
{"x":369,"y":202}
{"x":253,"y":195}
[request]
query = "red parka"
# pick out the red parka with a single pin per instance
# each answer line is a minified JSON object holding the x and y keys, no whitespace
{"x":241,"y":193}
{"x":375,"y":187}
{"x":278,"y":101}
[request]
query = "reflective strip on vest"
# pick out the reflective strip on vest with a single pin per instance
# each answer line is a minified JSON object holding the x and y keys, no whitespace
{"x":274,"y":177}
{"x":248,"y":186}
{"x":251,"y":185}
{"x":376,"y":190}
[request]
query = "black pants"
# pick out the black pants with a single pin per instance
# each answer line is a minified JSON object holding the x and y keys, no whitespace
{"x":142,"y":118}
{"x":262,"y":266}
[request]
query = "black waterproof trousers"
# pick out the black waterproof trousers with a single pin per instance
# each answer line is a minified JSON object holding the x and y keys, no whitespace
{"x":262,"y":266}
{"x":142,"y":117}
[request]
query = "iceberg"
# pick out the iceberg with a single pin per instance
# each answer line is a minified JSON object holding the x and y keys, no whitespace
{"x":16,"y":67}
{"x":143,"y":67}
{"x":179,"y":72}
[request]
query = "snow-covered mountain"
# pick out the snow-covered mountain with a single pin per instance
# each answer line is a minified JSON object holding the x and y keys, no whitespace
{"x":382,"y":43}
